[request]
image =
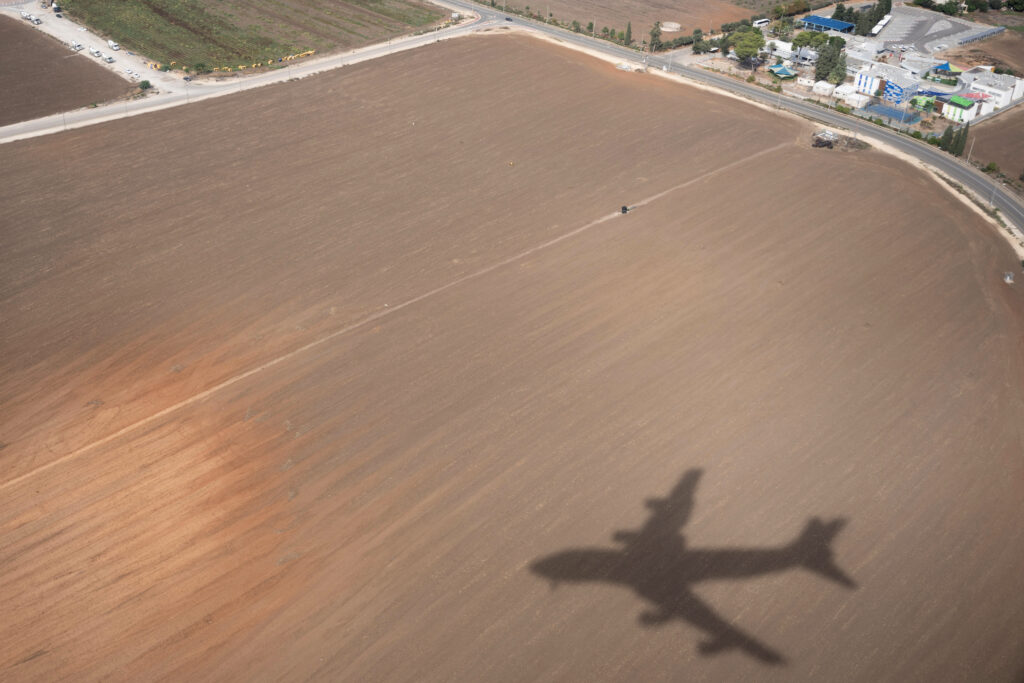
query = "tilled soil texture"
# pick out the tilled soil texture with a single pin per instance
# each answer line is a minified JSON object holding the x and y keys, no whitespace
{"x":1001,"y":140}
{"x":323,"y":380}
{"x":642,"y":14}
{"x":39,"y":76}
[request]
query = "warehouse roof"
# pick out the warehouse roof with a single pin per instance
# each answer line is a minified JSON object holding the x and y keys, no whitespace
{"x":826,"y":24}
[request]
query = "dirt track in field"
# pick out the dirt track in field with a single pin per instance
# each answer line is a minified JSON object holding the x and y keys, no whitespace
{"x":40,"y":76}
{"x":472,"y":364}
{"x":1001,"y":140}
{"x":691,"y":14}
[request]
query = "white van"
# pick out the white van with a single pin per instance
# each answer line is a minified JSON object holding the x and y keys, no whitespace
{"x":112,"y":45}
{"x":94,"y":52}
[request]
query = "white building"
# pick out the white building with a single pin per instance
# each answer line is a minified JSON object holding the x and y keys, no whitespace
{"x":857,"y":60}
{"x":918,"y":65}
{"x":960,"y":109}
{"x":1001,"y":88}
{"x":823,"y":88}
{"x":857,"y":100}
{"x":897,"y":85}
{"x":781,"y":49}
{"x":844,"y":90}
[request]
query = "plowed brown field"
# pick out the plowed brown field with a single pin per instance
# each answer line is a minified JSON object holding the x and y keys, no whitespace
{"x":307,"y":386}
{"x":1001,"y":140}
{"x":39,"y":76}
{"x":1005,"y":50}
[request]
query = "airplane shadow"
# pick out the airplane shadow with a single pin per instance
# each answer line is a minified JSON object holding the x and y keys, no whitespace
{"x":656,"y":564}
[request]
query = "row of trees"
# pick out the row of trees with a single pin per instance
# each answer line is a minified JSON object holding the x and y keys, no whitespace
{"x":954,"y":142}
{"x":865,"y":19}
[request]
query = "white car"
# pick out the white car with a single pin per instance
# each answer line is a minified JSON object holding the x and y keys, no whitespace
{"x":108,"y":59}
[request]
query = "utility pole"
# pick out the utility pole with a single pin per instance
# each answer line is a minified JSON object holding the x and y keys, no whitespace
{"x":969,"y":153}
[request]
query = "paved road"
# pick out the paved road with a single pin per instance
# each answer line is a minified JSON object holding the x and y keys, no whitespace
{"x":1011,"y":208}
{"x":175,"y":92}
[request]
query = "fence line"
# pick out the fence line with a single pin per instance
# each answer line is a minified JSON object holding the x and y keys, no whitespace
{"x":982,"y":36}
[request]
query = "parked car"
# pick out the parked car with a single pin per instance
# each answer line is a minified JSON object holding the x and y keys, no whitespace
{"x":108,"y":59}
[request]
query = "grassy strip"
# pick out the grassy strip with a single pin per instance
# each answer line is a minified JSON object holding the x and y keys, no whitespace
{"x":203,"y":34}
{"x":181,"y":31}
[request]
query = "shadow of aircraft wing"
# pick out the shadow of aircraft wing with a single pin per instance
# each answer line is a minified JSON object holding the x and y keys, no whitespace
{"x":668,"y":515}
{"x":669,"y":593}
{"x":721,"y":635}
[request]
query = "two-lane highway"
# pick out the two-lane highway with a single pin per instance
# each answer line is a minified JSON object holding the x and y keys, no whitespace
{"x":487,"y":17}
{"x":984,"y":187}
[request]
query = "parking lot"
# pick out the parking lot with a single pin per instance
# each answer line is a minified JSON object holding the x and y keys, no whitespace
{"x":926,"y":31}
{"x":125,"y":64}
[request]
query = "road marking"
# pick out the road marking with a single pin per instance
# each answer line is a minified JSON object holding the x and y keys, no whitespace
{"x":389,"y":310}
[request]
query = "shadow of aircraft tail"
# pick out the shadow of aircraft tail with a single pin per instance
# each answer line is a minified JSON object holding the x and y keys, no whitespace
{"x":813,"y":549}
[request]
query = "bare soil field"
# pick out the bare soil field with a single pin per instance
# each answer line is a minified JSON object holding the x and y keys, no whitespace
{"x":1001,"y":139}
{"x":40,"y":76}
{"x":374,"y":394}
{"x":1004,"y":50}
{"x":615,"y":14}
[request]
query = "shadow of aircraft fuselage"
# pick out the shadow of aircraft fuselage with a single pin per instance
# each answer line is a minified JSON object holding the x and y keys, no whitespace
{"x":656,"y":564}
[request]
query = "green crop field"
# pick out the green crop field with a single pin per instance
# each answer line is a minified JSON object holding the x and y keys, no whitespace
{"x":212,"y":33}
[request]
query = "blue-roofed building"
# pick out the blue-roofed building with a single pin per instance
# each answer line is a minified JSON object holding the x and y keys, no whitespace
{"x":822,"y":24}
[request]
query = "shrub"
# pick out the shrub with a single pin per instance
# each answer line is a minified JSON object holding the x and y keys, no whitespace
{"x":992,"y":167}
{"x":145,"y":85}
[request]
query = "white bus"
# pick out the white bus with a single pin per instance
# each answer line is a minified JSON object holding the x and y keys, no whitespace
{"x":761,"y":23}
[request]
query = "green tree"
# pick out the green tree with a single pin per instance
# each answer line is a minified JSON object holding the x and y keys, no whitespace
{"x":838,"y":73}
{"x":576,"y":28}
{"x":629,"y":33}
{"x":954,"y":145}
{"x":748,"y":45}
{"x":656,"y":37}
{"x":947,"y":139}
{"x":864,"y":23}
{"x":840,"y":12}
{"x":145,"y":85}
{"x":700,"y":47}
{"x":828,"y":56}
{"x":961,"y":142}
{"x":590,"y":27}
